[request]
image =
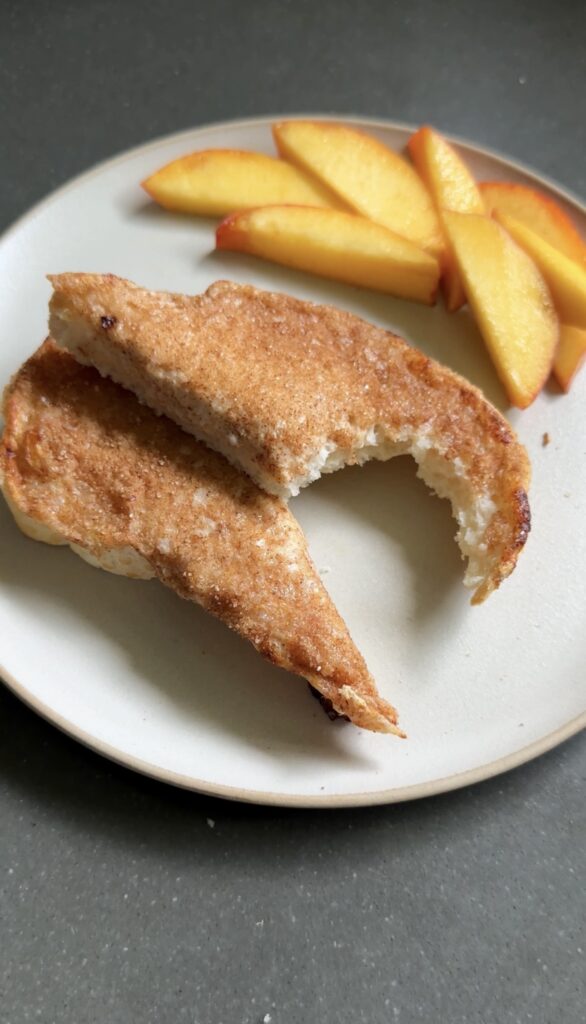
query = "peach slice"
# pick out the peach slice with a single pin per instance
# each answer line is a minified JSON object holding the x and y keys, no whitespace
{"x":510,"y":301}
{"x":538,"y":212}
{"x":565,"y":278}
{"x":334,"y":244}
{"x":570,"y":355}
{"x":215,"y":182}
{"x":453,"y":188}
{"x":367,"y":175}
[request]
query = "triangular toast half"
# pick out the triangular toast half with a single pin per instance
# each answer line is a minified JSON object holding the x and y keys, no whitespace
{"x":82,"y":462}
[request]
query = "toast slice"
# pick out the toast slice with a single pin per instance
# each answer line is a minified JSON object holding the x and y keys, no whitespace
{"x":83,"y":463}
{"x":288,"y":390}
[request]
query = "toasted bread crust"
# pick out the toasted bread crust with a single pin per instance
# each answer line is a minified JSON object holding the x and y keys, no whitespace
{"x":103,"y":473}
{"x":287,"y":389}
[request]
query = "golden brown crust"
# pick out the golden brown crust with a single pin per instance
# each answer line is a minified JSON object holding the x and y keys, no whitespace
{"x":276,"y":383}
{"x":103,"y":472}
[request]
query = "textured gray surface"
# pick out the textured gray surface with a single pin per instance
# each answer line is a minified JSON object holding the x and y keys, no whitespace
{"x":122,"y":900}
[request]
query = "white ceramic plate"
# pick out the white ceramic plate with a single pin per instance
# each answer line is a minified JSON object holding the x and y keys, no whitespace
{"x":157,"y":685}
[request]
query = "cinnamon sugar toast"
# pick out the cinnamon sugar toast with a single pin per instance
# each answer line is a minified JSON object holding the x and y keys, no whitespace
{"x":83,"y":463}
{"x":288,"y":390}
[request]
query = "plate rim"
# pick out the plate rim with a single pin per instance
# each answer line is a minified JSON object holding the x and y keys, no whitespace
{"x":333,"y":801}
{"x":401,"y":794}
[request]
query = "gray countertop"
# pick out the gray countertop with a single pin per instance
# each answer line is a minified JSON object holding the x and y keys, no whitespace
{"x":122,"y":900}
